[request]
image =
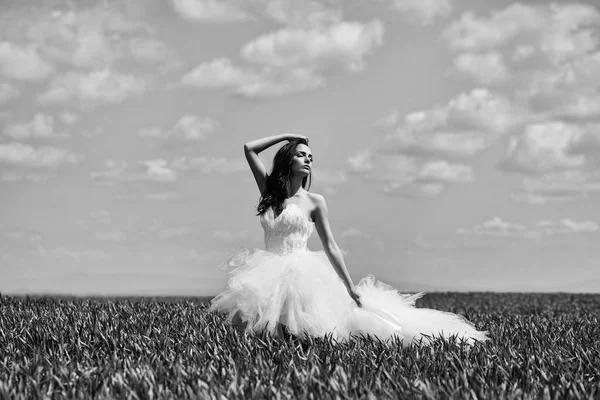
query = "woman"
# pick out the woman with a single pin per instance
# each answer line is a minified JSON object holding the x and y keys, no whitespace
{"x":287,"y":284}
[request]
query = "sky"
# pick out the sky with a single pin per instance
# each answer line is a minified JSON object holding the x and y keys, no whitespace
{"x":456,"y":142}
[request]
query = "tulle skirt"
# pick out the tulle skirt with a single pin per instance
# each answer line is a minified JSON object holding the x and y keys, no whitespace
{"x":302,"y":291}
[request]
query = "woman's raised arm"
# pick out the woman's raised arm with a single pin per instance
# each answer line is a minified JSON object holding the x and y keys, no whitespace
{"x":253,"y":148}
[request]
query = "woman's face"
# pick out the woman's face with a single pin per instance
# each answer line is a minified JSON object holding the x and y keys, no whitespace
{"x":302,"y":160}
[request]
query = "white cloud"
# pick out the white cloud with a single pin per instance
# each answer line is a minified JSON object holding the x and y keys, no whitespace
{"x":65,"y":253}
{"x":485,"y":68}
{"x":468,"y":124}
{"x":286,"y":12}
{"x":209,"y":165}
{"x":91,"y":36}
{"x":160,"y":170}
{"x":210,"y":10}
{"x":424,"y":12}
{"x":230,"y":237}
{"x":163,"y":196}
{"x":193,"y":128}
{"x":101,"y":216}
{"x":473,"y":33}
{"x":8,"y":92}
{"x":188,"y":128}
{"x":23,"y":63}
{"x":220,"y":72}
{"x":291,"y":60}
{"x":300,"y":13}
{"x":100,"y":86}
{"x":569,"y":90}
{"x":361,"y":161}
{"x":343,"y":43}
{"x":559,"y":186}
{"x":497,"y":227}
{"x":252,"y":82}
{"x":279,"y":82}
{"x":444,"y":172}
{"x":567,"y":225}
{"x":41,"y":126}
{"x":21,"y":155}
{"x":116,"y":236}
{"x":68,"y":117}
{"x":544,"y":147}
{"x":411,"y":189}
{"x":167,"y":233}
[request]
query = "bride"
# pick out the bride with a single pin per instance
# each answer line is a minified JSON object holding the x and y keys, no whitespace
{"x":310,"y":293}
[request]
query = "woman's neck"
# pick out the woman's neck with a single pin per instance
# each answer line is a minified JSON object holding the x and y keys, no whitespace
{"x":295,"y":188}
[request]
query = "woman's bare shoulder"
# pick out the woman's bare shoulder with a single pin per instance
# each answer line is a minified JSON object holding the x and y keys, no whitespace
{"x":317,"y":200}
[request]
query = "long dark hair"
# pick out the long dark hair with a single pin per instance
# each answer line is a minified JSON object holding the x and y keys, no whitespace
{"x":276,"y":186}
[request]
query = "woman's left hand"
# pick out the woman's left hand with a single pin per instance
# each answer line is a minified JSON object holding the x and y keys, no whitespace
{"x":355,"y":296}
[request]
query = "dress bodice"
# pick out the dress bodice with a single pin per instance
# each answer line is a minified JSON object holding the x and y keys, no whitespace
{"x":288,"y":232}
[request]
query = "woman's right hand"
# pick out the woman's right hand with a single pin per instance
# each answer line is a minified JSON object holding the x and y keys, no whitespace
{"x":292,"y":136}
{"x":355,"y":296}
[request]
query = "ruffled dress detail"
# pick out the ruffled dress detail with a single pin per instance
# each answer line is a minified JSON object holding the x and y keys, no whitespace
{"x":287,"y":283}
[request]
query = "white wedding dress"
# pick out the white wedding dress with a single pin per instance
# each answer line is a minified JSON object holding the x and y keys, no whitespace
{"x":289,"y":284}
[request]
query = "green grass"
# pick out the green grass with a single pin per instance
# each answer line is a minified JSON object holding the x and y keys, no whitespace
{"x":543,"y":346}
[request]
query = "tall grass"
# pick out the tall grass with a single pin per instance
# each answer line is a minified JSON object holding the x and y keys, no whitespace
{"x":543,"y":346}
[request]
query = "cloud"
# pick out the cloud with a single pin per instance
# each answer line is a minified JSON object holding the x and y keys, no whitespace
{"x":156,"y":170}
{"x":444,"y":172}
{"x":41,"y":126}
{"x":101,"y":216}
{"x":427,"y":149}
{"x":210,"y":10}
{"x":95,"y":87}
{"x":328,"y":180}
{"x":22,"y":155}
{"x":423,"y":12}
{"x":188,"y":128}
{"x":167,"y":233}
{"x":558,"y":186}
{"x":66,"y":253}
{"x":411,"y":189}
{"x":544,"y":147}
{"x":402,"y":175}
{"x":252,"y":82}
{"x":485,"y":68}
{"x":472,"y":33}
{"x":115,"y":236}
{"x":230,"y":237}
{"x":23,"y":63}
{"x":569,"y":90}
{"x":345,"y":43}
{"x":300,"y":13}
{"x":163,"y":196}
{"x":553,"y":63}
{"x":209,"y":165}
{"x":547,"y":53}
{"x":68,"y":117}
{"x":291,"y":60}
{"x":286,"y":12}
{"x":497,"y":227}
{"x":91,"y":36}
{"x":8,"y":92}
{"x":567,"y":225}
{"x":160,"y":170}
{"x":220,"y":72}
{"x":466,"y":125}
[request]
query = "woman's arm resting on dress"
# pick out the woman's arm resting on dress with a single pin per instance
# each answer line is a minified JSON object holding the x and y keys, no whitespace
{"x":329,"y":245}
{"x":251,"y":150}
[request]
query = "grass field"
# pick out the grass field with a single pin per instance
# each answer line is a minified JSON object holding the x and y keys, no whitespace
{"x":543,"y":346}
